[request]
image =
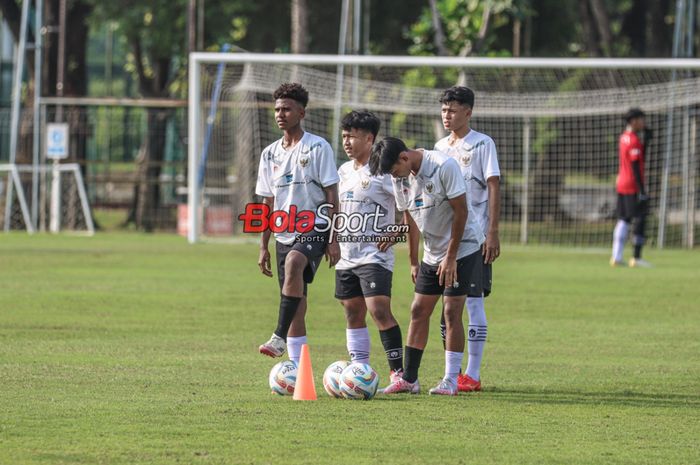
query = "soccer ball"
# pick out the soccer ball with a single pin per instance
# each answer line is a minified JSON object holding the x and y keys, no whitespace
{"x":358,"y":381}
{"x":331,"y":377}
{"x":283,"y":377}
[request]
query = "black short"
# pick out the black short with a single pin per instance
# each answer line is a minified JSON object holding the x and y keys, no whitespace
{"x":312,"y":245}
{"x":365,"y":280}
{"x":469,"y":277}
{"x":628,"y":207}
{"x":487,"y":275}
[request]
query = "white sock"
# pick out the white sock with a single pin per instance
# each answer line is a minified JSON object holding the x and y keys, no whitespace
{"x":358,"y":344}
{"x":476,"y":335}
{"x":294,"y":347}
{"x":619,"y":239}
{"x":453,"y":363}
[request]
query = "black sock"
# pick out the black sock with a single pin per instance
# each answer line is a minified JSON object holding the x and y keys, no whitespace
{"x":288,"y":308}
{"x":637,"y":252}
{"x":391,"y":340}
{"x":413,"y":357}
{"x":443,"y":329}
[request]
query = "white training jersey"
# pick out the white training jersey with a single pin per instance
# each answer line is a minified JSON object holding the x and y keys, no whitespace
{"x":426,"y":197}
{"x":361,"y":193}
{"x":478,"y":160}
{"x":297,"y":176}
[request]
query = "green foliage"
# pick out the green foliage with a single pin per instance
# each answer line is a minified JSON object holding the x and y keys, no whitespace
{"x":130,"y":348}
{"x":461,"y":21}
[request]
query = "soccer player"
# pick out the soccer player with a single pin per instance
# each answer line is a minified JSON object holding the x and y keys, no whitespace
{"x":476,"y":154}
{"x":430,"y":190}
{"x":632,"y":198}
{"x":299,"y":171}
{"x":364,"y":273}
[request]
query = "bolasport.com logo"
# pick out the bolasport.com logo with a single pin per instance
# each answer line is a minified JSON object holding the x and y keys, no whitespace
{"x":343,"y":227}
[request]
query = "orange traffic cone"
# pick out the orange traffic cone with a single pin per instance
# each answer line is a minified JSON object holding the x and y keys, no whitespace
{"x":305,"y":388}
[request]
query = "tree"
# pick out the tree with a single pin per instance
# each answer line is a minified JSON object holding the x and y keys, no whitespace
{"x":300,"y":21}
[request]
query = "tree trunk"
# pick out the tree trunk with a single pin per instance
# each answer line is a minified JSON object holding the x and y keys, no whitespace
{"x":590,"y":43}
{"x":634,"y":26}
{"x":439,"y":37}
{"x":150,"y":164}
{"x":659,"y":32}
{"x":602,"y":22}
{"x":300,"y":21}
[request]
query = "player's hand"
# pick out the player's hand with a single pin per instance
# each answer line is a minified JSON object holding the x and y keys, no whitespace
{"x":491,"y":249}
{"x":385,"y":245}
{"x":447,"y":272}
{"x":414,"y":272}
{"x":264,"y":262}
{"x":332,"y":253}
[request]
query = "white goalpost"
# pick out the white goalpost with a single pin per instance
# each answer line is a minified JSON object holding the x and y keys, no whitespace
{"x":556,"y":124}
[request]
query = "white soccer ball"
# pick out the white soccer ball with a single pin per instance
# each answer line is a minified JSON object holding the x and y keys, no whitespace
{"x":358,"y":381}
{"x":331,"y":377}
{"x":283,"y":377}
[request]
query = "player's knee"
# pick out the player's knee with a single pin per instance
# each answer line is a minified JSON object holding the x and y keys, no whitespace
{"x":382,"y":316}
{"x":420,"y":313}
{"x":294,"y":266}
{"x":453,"y":313}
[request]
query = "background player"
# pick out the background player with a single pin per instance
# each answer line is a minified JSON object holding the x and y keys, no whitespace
{"x":298,"y":169}
{"x":632,"y":198}
{"x":430,"y":190}
{"x":363,"y":276}
{"x":476,"y":154}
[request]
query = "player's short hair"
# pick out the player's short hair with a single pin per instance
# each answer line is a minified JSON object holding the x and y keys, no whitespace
{"x":365,"y":120}
{"x":633,"y":113}
{"x":294,"y":91}
{"x":459,"y":94}
{"x":385,"y":154}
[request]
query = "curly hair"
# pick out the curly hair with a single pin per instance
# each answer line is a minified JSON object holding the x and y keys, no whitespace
{"x":294,"y":91}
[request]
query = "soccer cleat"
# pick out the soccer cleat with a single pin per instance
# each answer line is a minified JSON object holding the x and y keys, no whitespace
{"x":466,"y":383}
{"x":639,"y":263}
{"x":615,"y":263}
{"x":394,"y":376}
{"x":445,"y":388}
{"x":401,"y":385}
{"x":275,"y":347}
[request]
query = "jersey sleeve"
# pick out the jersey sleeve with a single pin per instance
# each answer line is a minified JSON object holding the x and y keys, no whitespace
{"x":327,"y":171}
{"x":634,"y":148}
{"x":388,"y":185}
{"x":399,"y":198}
{"x":491,"y":167}
{"x":452,"y":179}
{"x":263,"y":186}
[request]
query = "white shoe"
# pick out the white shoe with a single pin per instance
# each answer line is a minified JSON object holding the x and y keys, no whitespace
{"x":616,"y":263}
{"x":394,"y":377}
{"x":401,"y":385}
{"x":445,"y":388}
{"x":275,"y":347}
{"x":639,"y":263}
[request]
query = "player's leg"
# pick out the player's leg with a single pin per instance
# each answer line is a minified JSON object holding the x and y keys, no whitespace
{"x":639,"y":236}
{"x":290,"y":269}
{"x":427,"y":293}
{"x":443,"y":327}
{"x":296,"y":337}
{"x":376,"y":282}
{"x":296,"y":266}
{"x":476,"y":336}
{"x":349,"y":292}
{"x":621,"y":230}
{"x":469,"y":284}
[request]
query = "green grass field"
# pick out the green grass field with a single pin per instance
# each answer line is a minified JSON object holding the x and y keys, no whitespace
{"x":128,"y":348}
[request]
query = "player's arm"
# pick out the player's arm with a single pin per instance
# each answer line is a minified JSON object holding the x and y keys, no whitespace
{"x":413,"y":238}
{"x":492,"y":246}
{"x":333,"y":249}
{"x":264,"y":257}
{"x":447,"y":270}
{"x":637,"y":171}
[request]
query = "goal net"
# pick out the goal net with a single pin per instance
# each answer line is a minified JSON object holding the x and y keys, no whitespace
{"x":61,"y":203}
{"x":556,"y":125}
